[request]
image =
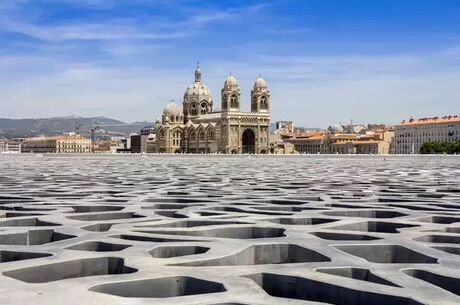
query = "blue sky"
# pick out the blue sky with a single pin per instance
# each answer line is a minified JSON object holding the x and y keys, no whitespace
{"x":326,"y":61}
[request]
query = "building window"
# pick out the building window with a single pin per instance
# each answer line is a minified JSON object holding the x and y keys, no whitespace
{"x":211,"y":135}
{"x":192,"y":136}
{"x":177,"y":138}
{"x":204,"y":108}
{"x":193,"y":109}
{"x":201,"y":135}
{"x":263,"y":103}
{"x":233,"y":101}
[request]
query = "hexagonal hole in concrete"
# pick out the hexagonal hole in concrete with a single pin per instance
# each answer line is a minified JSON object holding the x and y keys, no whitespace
{"x":374,"y":226}
{"x":193,"y":224}
{"x":293,"y":287}
{"x":266,"y":254}
{"x":105,"y":216}
{"x":12,"y":256}
{"x":160,"y":288}
{"x":98,"y":246}
{"x":448,"y":283}
{"x":440,"y":219}
{"x":229,"y":232}
{"x":27,"y":222}
{"x":439,"y":239}
{"x":450,"y":250}
{"x":20,"y":214}
{"x":152,"y":238}
{"x":71,"y":269}
{"x":360,"y":274}
{"x":343,"y":236}
{"x":98,"y":227}
{"x":175,"y":251}
{"x":302,"y":221}
{"x":365,"y":213}
{"x":387,"y":254}
{"x":170,"y":214}
{"x":96,"y":208}
{"x":284,"y":202}
{"x":33,"y":237}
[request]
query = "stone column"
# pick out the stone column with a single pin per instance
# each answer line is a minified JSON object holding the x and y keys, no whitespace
{"x":240,"y":148}
{"x":257,"y":144}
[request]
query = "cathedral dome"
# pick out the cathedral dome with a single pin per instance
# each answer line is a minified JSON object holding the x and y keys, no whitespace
{"x":198,"y":87}
{"x":230,"y":81}
{"x":172,"y":109}
{"x":260,"y":83}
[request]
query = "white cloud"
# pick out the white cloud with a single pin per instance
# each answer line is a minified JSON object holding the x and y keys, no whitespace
{"x":123,"y":68}
{"x":313,"y":91}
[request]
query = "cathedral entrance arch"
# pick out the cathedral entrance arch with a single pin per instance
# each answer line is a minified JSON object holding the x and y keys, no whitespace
{"x":248,"y":140}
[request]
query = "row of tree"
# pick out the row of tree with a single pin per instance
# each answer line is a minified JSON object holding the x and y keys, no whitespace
{"x":440,"y":148}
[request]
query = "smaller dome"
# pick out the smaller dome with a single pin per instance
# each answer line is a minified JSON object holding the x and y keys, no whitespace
{"x":336,"y":129}
{"x":172,"y":109}
{"x":231,"y":81}
{"x":260,"y":83}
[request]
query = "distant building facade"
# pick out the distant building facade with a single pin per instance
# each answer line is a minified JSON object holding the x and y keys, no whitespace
{"x":135,"y":142}
{"x":14,"y":146}
{"x":145,"y":135}
{"x":2,"y":145}
{"x":70,"y":144}
{"x":410,"y":135}
{"x":10,"y":145}
{"x":105,"y":146}
{"x":284,"y":127}
{"x":335,"y":141}
{"x":197,"y":128}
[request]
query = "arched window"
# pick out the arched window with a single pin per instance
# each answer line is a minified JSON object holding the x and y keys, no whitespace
{"x":193,"y":109}
{"x":211,"y":135}
{"x":263,"y":102}
{"x":177,"y":138}
{"x":201,"y":135}
{"x":204,"y":108}
{"x":233,"y":101}
{"x":192,"y":136}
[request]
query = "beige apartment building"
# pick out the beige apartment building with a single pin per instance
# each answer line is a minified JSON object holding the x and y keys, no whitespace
{"x":375,"y":143}
{"x":308,"y":142}
{"x":335,"y":141}
{"x":410,"y":135}
{"x":64,"y":144}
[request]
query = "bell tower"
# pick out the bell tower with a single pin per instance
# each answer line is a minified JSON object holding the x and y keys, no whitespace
{"x":230,"y":95}
{"x":260,"y":97}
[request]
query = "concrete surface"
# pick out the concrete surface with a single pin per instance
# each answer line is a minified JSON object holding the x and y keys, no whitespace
{"x":344,"y":230}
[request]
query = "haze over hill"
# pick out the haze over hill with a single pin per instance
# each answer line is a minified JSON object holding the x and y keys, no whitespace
{"x":10,"y":128}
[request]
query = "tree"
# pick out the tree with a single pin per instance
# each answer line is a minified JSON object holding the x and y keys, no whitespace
{"x":440,"y":148}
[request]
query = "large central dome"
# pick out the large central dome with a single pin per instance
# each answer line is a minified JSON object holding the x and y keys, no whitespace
{"x":197,"y":98}
{"x":198,"y":88}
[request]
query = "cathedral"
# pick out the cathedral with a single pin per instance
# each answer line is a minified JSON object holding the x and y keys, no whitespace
{"x":197,"y":128}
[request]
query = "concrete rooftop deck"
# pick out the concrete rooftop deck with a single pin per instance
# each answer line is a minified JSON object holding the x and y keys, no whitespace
{"x":341,"y":230}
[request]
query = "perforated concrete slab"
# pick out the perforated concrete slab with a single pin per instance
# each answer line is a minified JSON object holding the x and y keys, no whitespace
{"x":118,"y":229}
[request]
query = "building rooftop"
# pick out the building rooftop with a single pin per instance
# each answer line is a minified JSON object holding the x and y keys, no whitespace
{"x":433,"y":120}
{"x":60,"y":137}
